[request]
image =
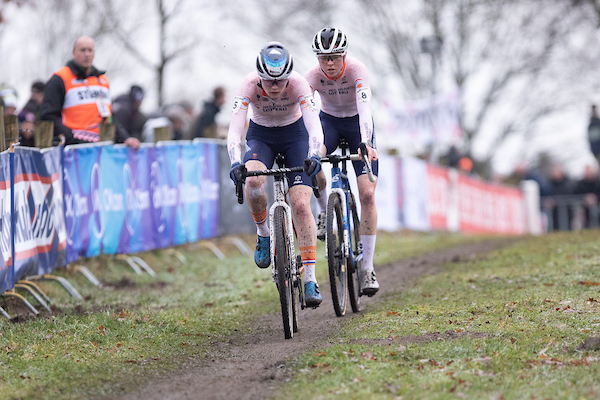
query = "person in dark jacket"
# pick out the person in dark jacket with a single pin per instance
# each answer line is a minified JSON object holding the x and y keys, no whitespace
{"x":30,"y":114}
{"x":126,"y":111}
{"x":594,"y":132}
{"x":589,"y":188}
{"x":560,"y":185}
{"x":206,"y":125}
{"x":77,"y":99}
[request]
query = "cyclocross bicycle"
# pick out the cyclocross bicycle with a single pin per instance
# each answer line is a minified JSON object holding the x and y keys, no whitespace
{"x":342,"y":238}
{"x":285,"y":262}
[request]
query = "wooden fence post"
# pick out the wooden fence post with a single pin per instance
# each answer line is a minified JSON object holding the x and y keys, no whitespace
{"x":44,"y":133}
{"x":107,"y":132}
{"x":2,"y":135}
{"x":161,"y":134}
{"x":11,"y":130}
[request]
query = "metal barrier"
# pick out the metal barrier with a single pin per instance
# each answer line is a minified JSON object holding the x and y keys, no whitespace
{"x":570,"y":213}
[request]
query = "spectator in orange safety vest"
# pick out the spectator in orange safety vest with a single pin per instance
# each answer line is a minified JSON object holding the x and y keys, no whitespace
{"x":77,"y":99}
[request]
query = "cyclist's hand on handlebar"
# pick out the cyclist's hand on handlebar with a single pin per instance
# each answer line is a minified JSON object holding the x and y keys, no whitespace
{"x":372,"y":153}
{"x":312,"y":165}
{"x":237,"y":172}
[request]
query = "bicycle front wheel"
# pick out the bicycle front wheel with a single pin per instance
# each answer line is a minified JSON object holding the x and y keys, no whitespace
{"x":356,"y":256}
{"x":282,"y":265}
{"x":335,"y":256}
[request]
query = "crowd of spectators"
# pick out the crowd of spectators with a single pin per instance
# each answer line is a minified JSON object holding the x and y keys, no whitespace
{"x":576,"y":199}
{"x":77,"y":116}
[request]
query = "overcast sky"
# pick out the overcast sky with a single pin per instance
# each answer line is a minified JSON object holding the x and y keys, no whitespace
{"x":227,"y":52}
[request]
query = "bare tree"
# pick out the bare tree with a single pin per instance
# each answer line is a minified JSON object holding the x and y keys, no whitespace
{"x":58,"y":23}
{"x":272,"y":20}
{"x":168,"y":18}
{"x":501,"y":54}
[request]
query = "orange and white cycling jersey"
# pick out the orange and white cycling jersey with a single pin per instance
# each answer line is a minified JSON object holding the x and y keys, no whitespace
{"x":295,"y":102}
{"x":345,"y":95}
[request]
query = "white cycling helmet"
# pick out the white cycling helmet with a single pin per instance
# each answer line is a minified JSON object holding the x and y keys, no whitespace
{"x":330,"y":41}
{"x":274,"y":62}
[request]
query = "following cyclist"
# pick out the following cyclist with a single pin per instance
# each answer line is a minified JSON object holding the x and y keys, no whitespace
{"x":284,"y":120}
{"x":343,"y":86}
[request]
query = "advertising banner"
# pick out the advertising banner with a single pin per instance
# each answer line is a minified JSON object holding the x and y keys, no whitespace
{"x":137,"y":234}
{"x":120,"y":200}
{"x":414,"y":194}
{"x":489,"y":208}
{"x":203,"y":168}
{"x":83,"y":219}
{"x":40,"y":236}
{"x":6,"y":269}
{"x":423,"y":122}
{"x":169,"y":170}
{"x":438,"y":191}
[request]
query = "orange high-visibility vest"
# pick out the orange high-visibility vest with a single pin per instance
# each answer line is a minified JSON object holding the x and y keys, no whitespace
{"x":84,"y":100}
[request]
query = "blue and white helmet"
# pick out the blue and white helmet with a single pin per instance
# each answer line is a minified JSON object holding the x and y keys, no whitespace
{"x":274,"y":62}
{"x":330,"y":41}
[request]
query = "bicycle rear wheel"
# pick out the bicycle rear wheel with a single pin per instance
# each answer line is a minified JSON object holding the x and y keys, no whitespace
{"x":335,"y":257}
{"x":282,"y":265}
{"x":355,"y":258}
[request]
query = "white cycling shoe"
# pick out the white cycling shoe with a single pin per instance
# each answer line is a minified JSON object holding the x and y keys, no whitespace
{"x":370,"y":286}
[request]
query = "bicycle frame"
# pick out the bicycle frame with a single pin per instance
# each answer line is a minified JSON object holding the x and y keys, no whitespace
{"x":341,"y":185}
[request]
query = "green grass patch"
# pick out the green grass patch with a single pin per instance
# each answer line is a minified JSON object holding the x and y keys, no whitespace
{"x":138,"y":325}
{"x":135,"y":325}
{"x":501,"y":326}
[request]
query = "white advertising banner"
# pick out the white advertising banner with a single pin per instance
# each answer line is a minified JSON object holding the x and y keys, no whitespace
{"x":423,"y":122}
{"x":415,"y":198}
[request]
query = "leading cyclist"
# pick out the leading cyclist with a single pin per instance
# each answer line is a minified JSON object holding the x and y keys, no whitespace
{"x":284,"y":120}
{"x":343,"y":85}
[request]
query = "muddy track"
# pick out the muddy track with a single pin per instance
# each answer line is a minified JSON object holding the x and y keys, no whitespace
{"x":251,"y":366}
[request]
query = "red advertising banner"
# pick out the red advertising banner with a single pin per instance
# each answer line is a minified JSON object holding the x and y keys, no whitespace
{"x":438,"y":189}
{"x":489,"y":208}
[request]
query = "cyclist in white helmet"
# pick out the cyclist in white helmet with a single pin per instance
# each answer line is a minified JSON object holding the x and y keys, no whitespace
{"x":343,"y":86}
{"x":285,"y":119}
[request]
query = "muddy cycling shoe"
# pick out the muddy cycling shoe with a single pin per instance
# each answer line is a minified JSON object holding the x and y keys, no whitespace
{"x":312,"y":296}
{"x":321,"y":226}
{"x":262,"y":254}
{"x":370,"y":286}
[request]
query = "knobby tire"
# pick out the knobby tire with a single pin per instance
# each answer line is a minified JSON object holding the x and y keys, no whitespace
{"x":355,"y":259}
{"x":335,"y":258}
{"x":282,"y":264}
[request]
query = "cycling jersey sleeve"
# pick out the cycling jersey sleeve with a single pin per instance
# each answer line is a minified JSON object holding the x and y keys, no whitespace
{"x":363,"y":104}
{"x":238,"y":121}
{"x":310,"y":115}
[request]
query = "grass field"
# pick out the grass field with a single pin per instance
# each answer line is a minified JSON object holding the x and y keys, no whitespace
{"x":504,"y":326}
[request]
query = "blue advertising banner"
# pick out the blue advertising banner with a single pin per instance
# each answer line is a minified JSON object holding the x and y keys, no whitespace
{"x":138,"y":233}
{"x":113,"y":208}
{"x":40,"y":237}
{"x":207,"y":175}
{"x":164,"y":191}
{"x":84,"y":223}
{"x":121,"y":200}
{"x":6,"y":269}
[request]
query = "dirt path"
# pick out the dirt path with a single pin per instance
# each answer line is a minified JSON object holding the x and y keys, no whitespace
{"x":250,"y":366}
